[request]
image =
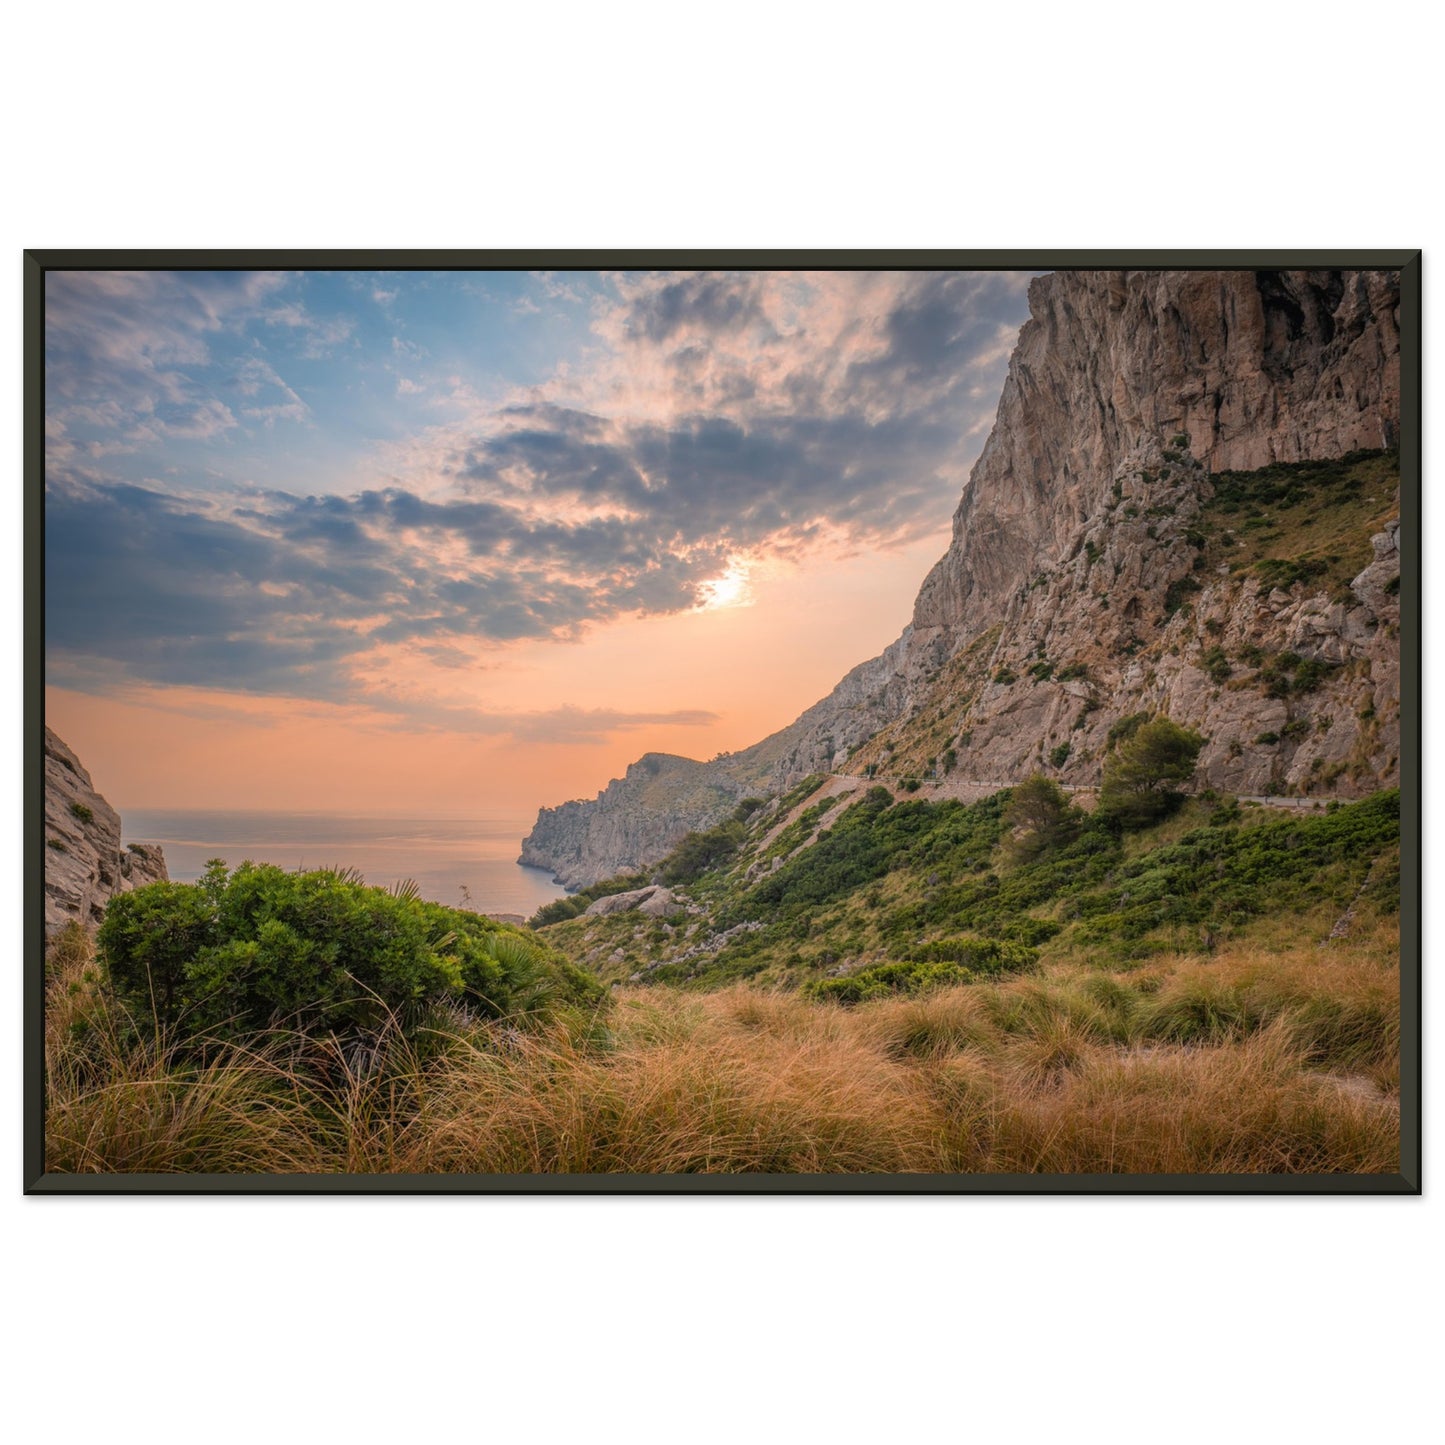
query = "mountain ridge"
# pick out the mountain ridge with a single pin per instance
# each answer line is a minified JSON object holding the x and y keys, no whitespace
{"x":1093,"y":573}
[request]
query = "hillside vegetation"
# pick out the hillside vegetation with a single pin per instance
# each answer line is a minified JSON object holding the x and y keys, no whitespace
{"x":859,"y":984}
{"x":893,"y":882}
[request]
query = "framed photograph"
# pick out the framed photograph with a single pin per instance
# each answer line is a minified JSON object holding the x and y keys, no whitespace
{"x":743,"y":722}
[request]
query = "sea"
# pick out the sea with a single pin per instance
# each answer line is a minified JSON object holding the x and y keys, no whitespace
{"x":462,"y":862}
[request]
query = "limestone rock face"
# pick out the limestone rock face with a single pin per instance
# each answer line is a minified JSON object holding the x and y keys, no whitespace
{"x":635,"y":820}
{"x":1126,"y":392}
{"x":85,"y":864}
{"x":1251,"y":367}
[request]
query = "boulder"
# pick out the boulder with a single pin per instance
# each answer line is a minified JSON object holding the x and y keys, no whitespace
{"x":655,"y":901}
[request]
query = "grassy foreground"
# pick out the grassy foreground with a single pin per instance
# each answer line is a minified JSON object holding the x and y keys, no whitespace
{"x":1276,"y":1056}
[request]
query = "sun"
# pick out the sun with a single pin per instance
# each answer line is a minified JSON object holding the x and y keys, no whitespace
{"x":729,"y":590}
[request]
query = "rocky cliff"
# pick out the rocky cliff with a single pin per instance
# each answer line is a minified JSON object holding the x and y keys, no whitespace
{"x":1188,"y":503}
{"x":636,"y":819}
{"x":85,"y":864}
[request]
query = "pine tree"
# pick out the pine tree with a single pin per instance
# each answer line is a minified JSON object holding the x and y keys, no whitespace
{"x":1141,"y":777}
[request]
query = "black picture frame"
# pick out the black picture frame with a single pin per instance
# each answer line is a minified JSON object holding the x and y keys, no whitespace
{"x":1408,"y":1181}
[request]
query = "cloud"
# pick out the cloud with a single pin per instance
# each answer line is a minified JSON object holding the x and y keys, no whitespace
{"x":717,"y":420}
{"x":272,"y":398}
{"x":322,"y":334}
{"x":582,"y":725}
{"x":126,"y":354}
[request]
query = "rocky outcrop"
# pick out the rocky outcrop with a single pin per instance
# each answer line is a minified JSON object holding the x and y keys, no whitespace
{"x":1247,"y":367}
{"x":653,"y":902}
{"x":85,"y":863}
{"x":1073,"y":552}
{"x":637,"y":819}
{"x":1295,"y":688}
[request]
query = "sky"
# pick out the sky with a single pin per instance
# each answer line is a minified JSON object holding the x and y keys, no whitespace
{"x":467,"y":543}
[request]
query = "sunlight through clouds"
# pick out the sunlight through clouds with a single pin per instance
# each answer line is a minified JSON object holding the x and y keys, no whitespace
{"x":387,"y":492}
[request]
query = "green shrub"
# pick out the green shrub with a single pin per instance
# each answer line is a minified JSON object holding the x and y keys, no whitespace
{"x":241,"y":951}
{"x":1005,"y":677}
{"x":1139,"y":778}
{"x":983,"y":956}
{"x":1176,"y":593}
{"x":1311,"y":672}
{"x":945,"y":964}
{"x":561,"y":909}
{"x":806,"y":788}
{"x":1284,"y":572}
{"x":700,"y":852}
{"x":1037,"y":819}
{"x":1216,"y":664}
{"x":1125,"y":728}
{"x":82,"y":812}
{"x":1060,"y":755}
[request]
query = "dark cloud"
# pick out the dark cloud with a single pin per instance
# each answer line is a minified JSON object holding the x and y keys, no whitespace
{"x":709,"y":303}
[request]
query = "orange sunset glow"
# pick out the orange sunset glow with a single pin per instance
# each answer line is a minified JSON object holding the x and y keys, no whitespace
{"x":445,"y":544}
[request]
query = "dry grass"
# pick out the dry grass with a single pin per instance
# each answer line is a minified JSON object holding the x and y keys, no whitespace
{"x":1250,"y":1062}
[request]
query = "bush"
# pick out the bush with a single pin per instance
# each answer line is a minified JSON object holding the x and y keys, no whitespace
{"x":242,"y":951}
{"x":1125,"y":728}
{"x":561,"y":909}
{"x":985,"y":956}
{"x":82,"y":812}
{"x":940,"y":965}
{"x":1037,"y":819}
{"x":699,"y":852}
{"x":1176,"y":593}
{"x":1216,"y":664}
{"x":1139,"y":778}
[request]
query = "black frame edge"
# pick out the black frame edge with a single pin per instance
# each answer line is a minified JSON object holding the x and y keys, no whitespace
{"x":33,"y":724}
{"x":1407,"y":1182}
{"x":1412,"y":1037}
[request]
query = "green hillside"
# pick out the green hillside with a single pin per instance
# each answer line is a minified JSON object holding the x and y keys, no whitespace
{"x":888,"y":882}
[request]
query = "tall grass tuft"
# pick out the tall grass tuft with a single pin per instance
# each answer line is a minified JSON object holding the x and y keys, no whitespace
{"x":1249,"y":1061}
